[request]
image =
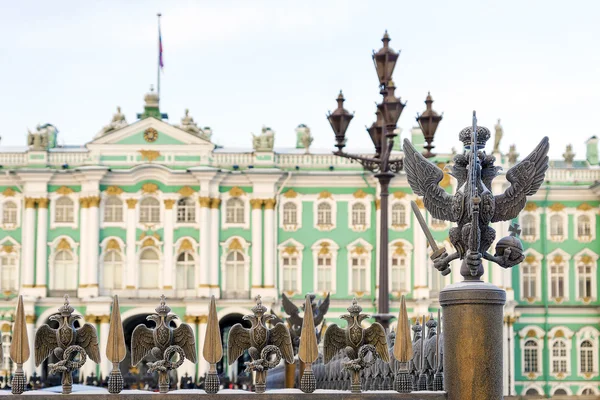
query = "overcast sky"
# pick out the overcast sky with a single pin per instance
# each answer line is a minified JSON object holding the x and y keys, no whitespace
{"x":238,"y":65}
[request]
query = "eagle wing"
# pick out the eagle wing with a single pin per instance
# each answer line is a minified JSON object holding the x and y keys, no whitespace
{"x":88,"y":339}
{"x":280,"y":337}
{"x":183,"y":336}
{"x":424,"y":178}
{"x":45,"y":343}
{"x":275,"y":319}
{"x":525,"y":178}
{"x":334,"y":341}
{"x":322,"y":310}
{"x":375,"y":335}
{"x":142,"y":342}
{"x":292,"y":310}
{"x":238,"y":341}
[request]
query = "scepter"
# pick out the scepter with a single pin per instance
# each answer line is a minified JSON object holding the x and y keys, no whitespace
{"x":475,"y":232}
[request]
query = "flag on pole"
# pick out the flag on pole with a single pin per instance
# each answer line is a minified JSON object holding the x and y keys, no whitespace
{"x":160,"y":48}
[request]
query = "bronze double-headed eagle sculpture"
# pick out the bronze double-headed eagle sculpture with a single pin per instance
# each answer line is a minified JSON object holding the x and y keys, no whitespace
{"x":473,"y":207}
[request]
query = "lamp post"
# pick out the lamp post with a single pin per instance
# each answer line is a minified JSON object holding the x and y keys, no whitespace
{"x":429,"y":121}
{"x":382,"y":134}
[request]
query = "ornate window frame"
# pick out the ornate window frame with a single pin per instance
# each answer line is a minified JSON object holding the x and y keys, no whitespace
{"x":17,"y":200}
{"x":589,"y":211}
{"x":235,"y":192}
{"x":325,"y":247}
{"x":534,"y":259}
{"x":11,"y":248}
{"x":554,"y":387}
{"x":367,"y":202}
{"x":590,"y":258}
{"x":407,"y":220}
{"x":149,"y":242}
{"x":298,"y":203}
{"x":362,"y":249}
{"x":291,"y":247}
{"x":193,"y":196}
{"x":556,"y":257}
{"x":332,"y":203}
{"x":534,"y":386}
{"x":234,"y":243}
{"x":112,"y":243}
{"x":401,"y":248}
{"x":138,"y":212}
{"x":53,"y":197}
{"x":104,"y":224}
{"x":434,"y":226}
{"x":557,"y":211}
{"x":190,"y":245}
{"x":58,"y":244}
{"x":535,"y":333}
{"x":594,"y":389}
{"x":591,"y":334}
{"x":564,"y":334}
{"x":535,"y":213}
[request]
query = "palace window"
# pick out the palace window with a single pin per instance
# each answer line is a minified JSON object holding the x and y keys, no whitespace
{"x":586,"y":352}
{"x":359,"y":274}
{"x":7,"y":363}
{"x":398,"y":274}
{"x":113,"y":209}
{"x":9,"y":213}
{"x":559,"y":357}
{"x":149,"y":210}
{"x":531,"y":356}
{"x":438,"y":223}
{"x":588,"y":391}
{"x":398,"y":215}
{"x":556,"y":226}
{"x":359,"y":214}
{"x":529,"y":281}
{"x":65,"y":271}
{"x":290,"y":273}
{"x":186,"y":210}
{"x":324,"y":214}
{"x":529,"y":227}
{"x":557,"y":280}
{"x":8,"y":274}
{"x":235,"y":211}
{"x":585,"y":276}
{"x":559,"y":392}
{"x":186,"y":267}
{"x":112,"y":270}
{"x":324,"y":273}
{"x":532,"y":392}
{"x":584,"y":227}
{"x":149,"y":270}
{"x":64,"y":210}
{"x":235,"y":265}
{"x":290,"y":213}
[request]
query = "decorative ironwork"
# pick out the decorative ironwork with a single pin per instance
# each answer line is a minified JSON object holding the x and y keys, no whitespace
{"x":213,"y":349}
{"x":115,"y":348}
{"x":19,"y":348}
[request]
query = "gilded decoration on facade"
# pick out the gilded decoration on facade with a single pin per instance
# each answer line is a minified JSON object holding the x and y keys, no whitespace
{"x":557,"y":207}
{"x":113,"y":244}
{"x":148,"y":242}
{"x":64,"y":190}
{"x":584,"y":207}
{"x":419,"y":202}
{"x":290,"y":194}
{"x":94,"y":201}
{"x":359,"y":250}
{"x":204,"y":202}
{"x":586,"y":259}
{"x":325,"y":195}
{"x":186,"y":191}
{"x":360,"y":194}
{"x":63,"y":245}
{"x":186,"y":245}
{"x":256,"y":204}
{"x":42,"y":202}
{"x":446,"y":180}
{"x":235,"y":245}
{"x":169,"y":203}
{"x":530,"y":206}
{"x":215,"y":203}
{"x":150,"y":135}
{"x":149,"y":188}
{"x":399,"y":251}
{"x":84,"y":202}
{"x":8,"y":192}
{"x":30,"y":202}
{"x":324,"y":249}
{"x":7,"y":248}
{"x":399,"y":195}
{"x":113,"y":190}
{"x":270,"y":204}
{"x":377,"y":204}
{"x":557,"y":259}
{"x":131,"y":203}
{"x":290,"y":249}
{"x":149,"y":155}
{"x":236,"y":191}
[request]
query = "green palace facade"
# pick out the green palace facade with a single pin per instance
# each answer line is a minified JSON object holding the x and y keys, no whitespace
{"x":149,"y":207}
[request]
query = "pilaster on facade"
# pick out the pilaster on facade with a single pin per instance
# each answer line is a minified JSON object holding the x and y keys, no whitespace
{"x":270,"y":264}
{"x":41,"y":279}
{"x":168,"y":263}
{"x":257,"y":236}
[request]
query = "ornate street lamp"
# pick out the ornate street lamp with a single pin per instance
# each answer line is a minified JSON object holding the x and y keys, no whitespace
{"x":428,"y":121}
{"x":388,"y":113}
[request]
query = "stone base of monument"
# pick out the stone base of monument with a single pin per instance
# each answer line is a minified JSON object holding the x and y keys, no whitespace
{"x":472,"y":320}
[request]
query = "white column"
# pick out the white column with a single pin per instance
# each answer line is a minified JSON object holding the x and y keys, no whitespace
{"x":42,"y":247}
{"x":105,"y":364}
{"x":84,"y":246}
{"x":92,"y":259}
{"x":204,"y":240}
{"x":270,"y":265}
{"x":202,"y":363}
{"x":168,"y":245}
{"x":189,"y":367}
{"x":257,"y":236}
{"x":215,"y":256}
{"x":29,"y":366}
{"x":131,"y":256}
{"x":90,"y":367}
{"x":421,"y":289}
{"x":377,"y":244}
{"x":28,"y":245}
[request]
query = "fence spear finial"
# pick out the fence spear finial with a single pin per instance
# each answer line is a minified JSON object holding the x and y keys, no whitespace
{"x":19,"y":348}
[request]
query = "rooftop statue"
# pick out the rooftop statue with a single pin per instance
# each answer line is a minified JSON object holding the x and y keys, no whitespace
{"x":264,"y":141}
{"x":474,"y":207}
{"x":188,"y":125}
{"x":118,"y":121}
{"x":43,"y":138}
{"x":498,"y":137}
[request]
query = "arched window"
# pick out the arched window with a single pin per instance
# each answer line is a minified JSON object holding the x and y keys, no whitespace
{"x":398,"y":274}
{"x":7,"y":363}
{"x":532,"y":392}
{"x":529,"y":226}
{"x":186,"y":210}
{"x":324,"y":273}
{"x":149,"y":269}
{"x":186,"y":270}
{"x":531,"y":356}
{"x":559,"y":357}
{"x":9,"y":213}
{"x":235,"y":266}
{"x":64,"y":210}
{"x":65,"y":271}
{"x":8,"y":274}
{"x":588,"y":391}
{"x":559,"y":391}
{"x":235,"y":211}
{"x":113,"y":209}
{"x":557,"y":280}
{"x":112,"y":270}
{"x":556,"y":226}
{"x":587,"y":357}
{"x":585,"y":276}
{"x":290,"y":272}
{"x":290,"y":214}
{"x":529,"y":280}
{"x":150,"y":210}
{"x":398,"y":215}
{"x":584,"y":227}
{"x":324,"y":214}
{"x":359,"y":214}
{"x":359,"y":273}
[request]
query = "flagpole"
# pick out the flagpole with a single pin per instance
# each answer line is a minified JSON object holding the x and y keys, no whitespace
{"x":158,"y":61}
